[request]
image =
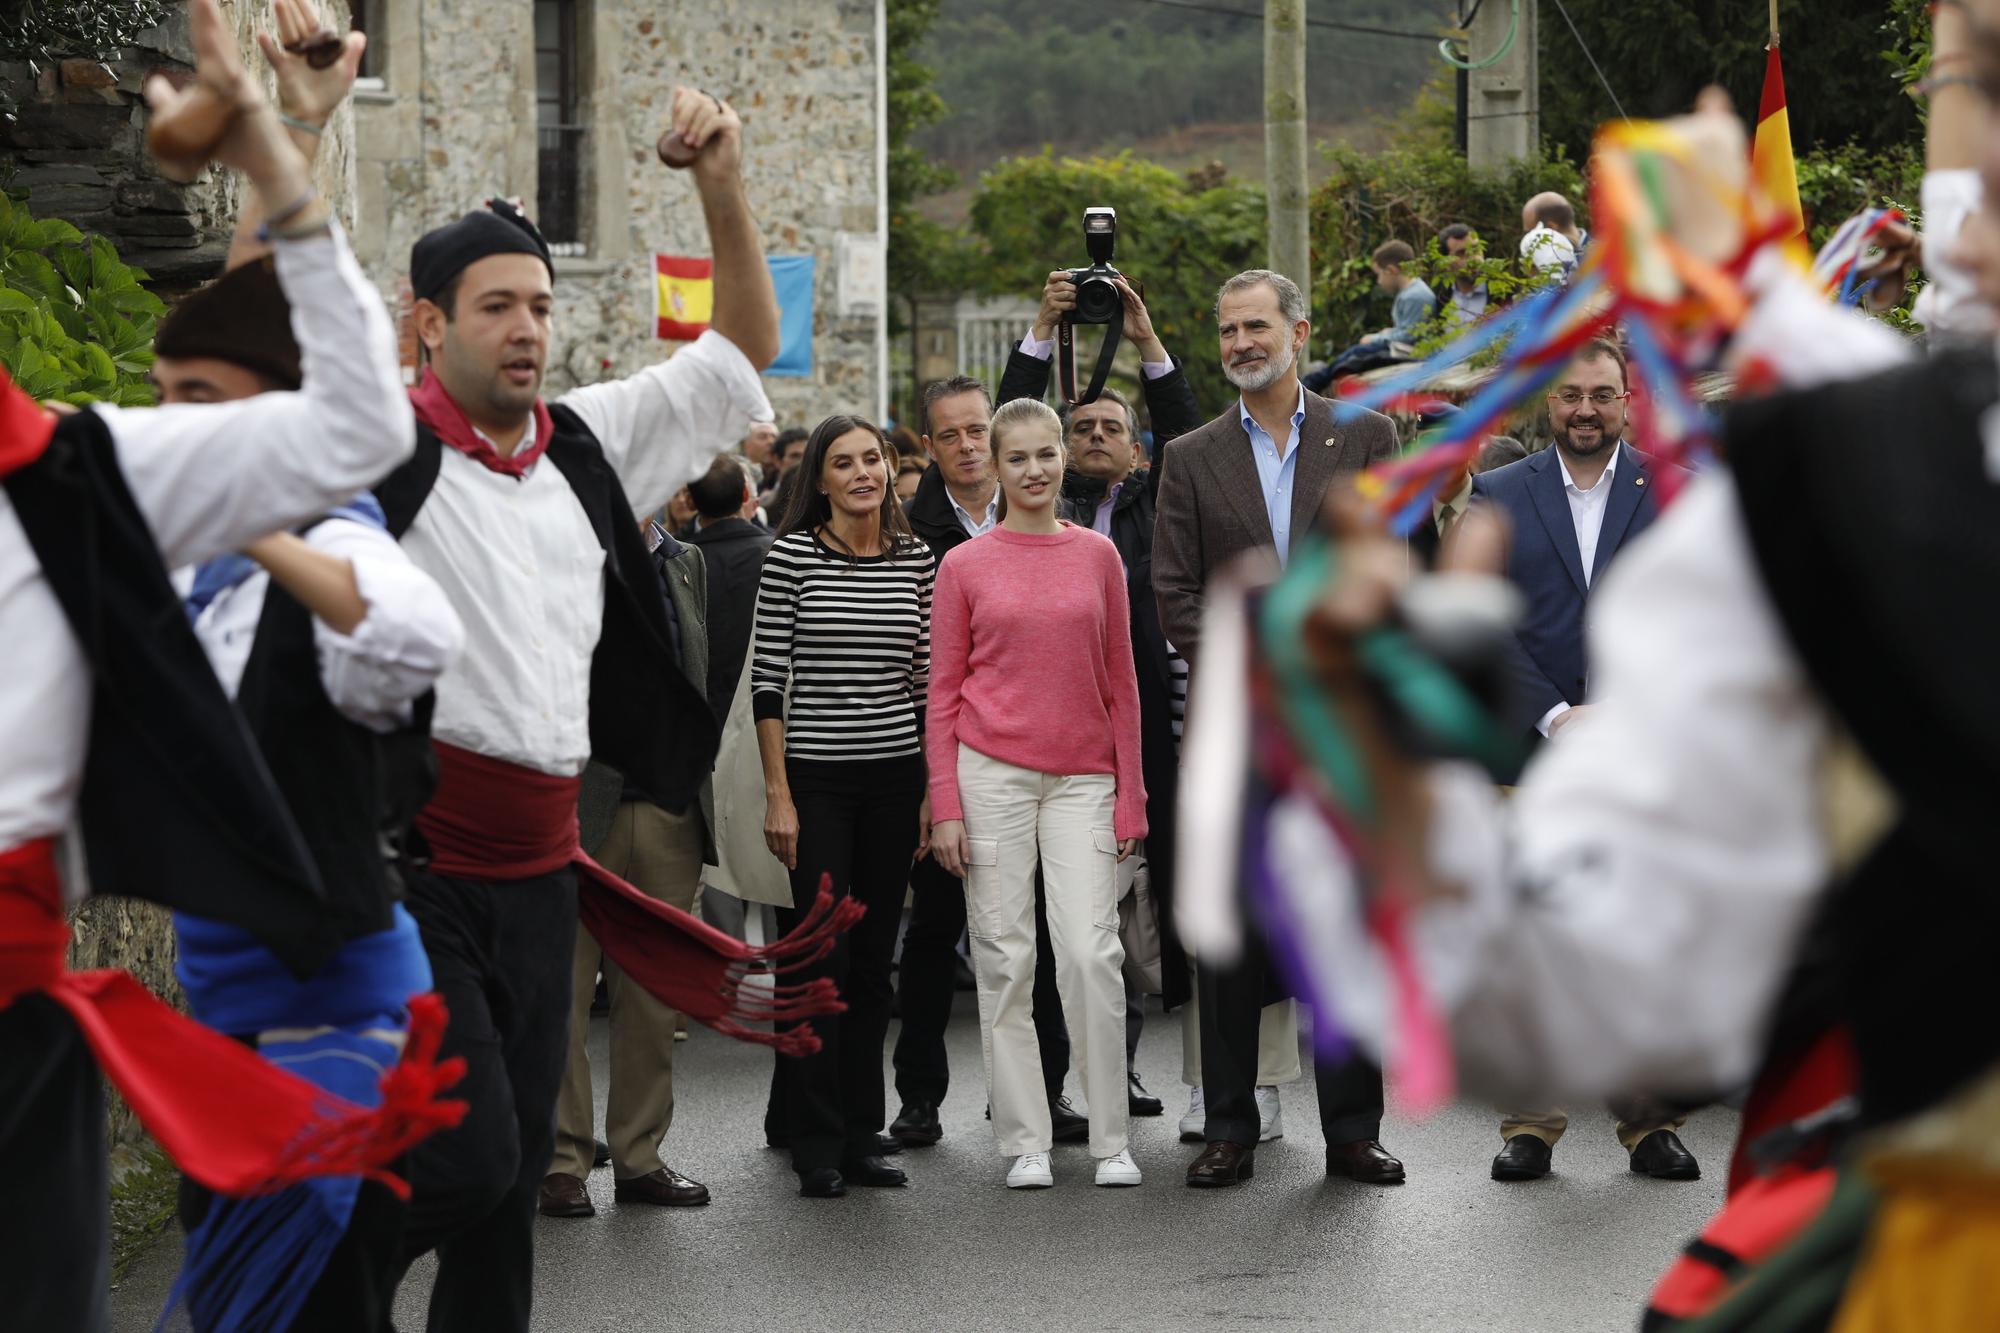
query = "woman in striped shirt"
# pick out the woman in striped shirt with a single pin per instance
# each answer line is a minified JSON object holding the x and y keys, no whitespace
{"x":837,"y":680}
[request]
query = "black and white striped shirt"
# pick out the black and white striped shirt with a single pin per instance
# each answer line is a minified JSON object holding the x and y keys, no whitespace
{"x":851,"y":638}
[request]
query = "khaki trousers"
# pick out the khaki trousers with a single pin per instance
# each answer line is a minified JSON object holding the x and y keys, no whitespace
{"x":1634,"y":1120}
{"x":1277,"y":1042}
{"x":659,"y":854}
{"x":1016,"y":818}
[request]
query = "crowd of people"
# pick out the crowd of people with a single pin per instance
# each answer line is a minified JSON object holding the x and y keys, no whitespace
{"x":461,"y":692}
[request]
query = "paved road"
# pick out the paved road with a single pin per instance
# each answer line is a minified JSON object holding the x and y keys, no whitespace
{"x":1451,"y":1250}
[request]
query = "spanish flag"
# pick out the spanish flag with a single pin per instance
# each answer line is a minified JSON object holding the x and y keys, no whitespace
{"x":686,"y":296}
{"x":1771,"y":151}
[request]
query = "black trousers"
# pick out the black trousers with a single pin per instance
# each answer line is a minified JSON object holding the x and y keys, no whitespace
{"x":858,"y":824}
{"x":356,"y":1292}
{"x":500,"y":957}
{"x":1350,"y":1094}
{"x":927,"y":986}
{"x":55,"y":1239}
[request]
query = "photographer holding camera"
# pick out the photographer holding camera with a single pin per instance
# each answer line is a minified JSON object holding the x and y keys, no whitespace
{"x":1101,"y":491}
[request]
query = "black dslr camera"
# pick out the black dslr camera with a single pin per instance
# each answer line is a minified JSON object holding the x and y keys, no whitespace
{"x":1098,"y":301}
{"x":1097,"y":298}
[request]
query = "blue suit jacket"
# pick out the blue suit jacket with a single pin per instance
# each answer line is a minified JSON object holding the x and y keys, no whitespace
{"x":1548,"y":665}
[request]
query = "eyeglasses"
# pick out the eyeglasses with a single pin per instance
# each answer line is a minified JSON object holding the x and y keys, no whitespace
{"x":1601,"y":398}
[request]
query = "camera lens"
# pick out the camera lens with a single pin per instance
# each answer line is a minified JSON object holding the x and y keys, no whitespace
{"x":1097,"y":301}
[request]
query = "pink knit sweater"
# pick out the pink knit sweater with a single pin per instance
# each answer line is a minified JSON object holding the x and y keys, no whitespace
{"x":1031,"y":664}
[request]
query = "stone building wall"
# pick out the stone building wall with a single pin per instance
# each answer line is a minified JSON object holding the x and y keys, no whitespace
{"x":77,"y":145}
{"x":453,"y":124}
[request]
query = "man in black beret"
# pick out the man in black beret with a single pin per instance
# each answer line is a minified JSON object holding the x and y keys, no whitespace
{"x":527,"y":513}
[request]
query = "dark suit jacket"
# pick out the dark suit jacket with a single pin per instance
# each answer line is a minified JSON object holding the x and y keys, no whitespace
{"x":1211,"y":503}
{"x":734,"y":551}
{"x":1548,"y":664}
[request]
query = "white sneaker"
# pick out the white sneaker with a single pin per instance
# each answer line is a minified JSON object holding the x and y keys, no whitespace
{"x":1270,"y":1118}
{"x":1118,"y":1169}
{"x":1194,"y":1125}
{"x":1031,"y":1172}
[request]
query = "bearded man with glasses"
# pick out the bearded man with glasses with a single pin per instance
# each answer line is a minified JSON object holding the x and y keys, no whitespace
{"x":1568,"y":511}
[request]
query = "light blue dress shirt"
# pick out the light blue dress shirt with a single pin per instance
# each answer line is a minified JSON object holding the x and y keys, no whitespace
{"x":1276,"y":472}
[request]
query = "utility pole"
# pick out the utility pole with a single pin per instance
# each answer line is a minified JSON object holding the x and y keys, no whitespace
{"x":1287,"y":239}
{"x":1503,"y":101}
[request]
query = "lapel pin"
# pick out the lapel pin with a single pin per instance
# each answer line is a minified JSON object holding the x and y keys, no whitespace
{"x":1638,"y":481}
{"x":1329,"y":442}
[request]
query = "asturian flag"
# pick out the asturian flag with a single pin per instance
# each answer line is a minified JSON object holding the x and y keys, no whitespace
{"x":1771,"y":151}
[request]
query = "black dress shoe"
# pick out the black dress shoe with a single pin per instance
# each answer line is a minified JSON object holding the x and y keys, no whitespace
{"x":1222,"y":1163}
{"x":1138,"y":1101}
{"x":600,"y":1154}
{"x":1364,"y":1160}
{"x":1065,"y":1125}
{"x":872,"y":1171}
{"x":822,"y":1182}
{"x":917,"y":1125}
{"x":1524,"y":1157}
{"x":888,"y":1144}
{"x":1663,"y":1156}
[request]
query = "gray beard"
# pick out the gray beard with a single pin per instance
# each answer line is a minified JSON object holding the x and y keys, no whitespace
{"x":1252,"y":381}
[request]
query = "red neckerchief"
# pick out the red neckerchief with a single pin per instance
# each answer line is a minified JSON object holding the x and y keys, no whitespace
{"x":436,"y":409}
{"x":25,"y":427}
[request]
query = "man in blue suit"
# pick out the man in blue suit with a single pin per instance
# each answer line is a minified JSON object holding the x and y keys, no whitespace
{"x":1569,"y":510}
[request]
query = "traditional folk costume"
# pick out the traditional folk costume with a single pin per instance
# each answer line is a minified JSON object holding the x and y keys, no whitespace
{"x":1669,"y":903}
{"x":569,"y":654}
{"x":339,"y":722}
{"x":114,"y":715}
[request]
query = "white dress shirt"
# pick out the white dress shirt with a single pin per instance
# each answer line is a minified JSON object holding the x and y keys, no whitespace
{"x":1586,"y":514}
{"x":208,"y":479}
{"x":976,"y":527}
{"x":371,"y":674}
{"x":520,"y":562}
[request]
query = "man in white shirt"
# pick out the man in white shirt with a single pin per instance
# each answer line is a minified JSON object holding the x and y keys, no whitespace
{"x":526,"y":512}
{"x":1570,"y":509}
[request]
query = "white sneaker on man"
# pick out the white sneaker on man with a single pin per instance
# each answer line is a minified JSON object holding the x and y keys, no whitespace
{"x":1118,"y":1169}
{"x":1031,"y":1171}
{"x":1270,"y":1118}
{"x":1194,"y":1125}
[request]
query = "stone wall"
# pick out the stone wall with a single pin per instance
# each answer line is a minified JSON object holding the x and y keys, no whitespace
{"x":77,"y":145}
{"x":453,"y":125}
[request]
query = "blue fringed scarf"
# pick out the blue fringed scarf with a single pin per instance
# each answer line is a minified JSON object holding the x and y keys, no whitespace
{"x":251,"y":1263}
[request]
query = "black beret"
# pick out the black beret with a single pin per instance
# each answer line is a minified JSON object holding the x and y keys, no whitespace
{"x":242,"y":318}
{"x":497,"y":229}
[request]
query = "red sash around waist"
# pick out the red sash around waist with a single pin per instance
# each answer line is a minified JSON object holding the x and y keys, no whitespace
{"x":490,"y":819}
{"x":233,"y":1121}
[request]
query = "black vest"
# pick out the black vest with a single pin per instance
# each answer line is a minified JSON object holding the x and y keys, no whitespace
{"x":352,"y":792}
{"x":177,"y":806}
{"x":646,"y":719}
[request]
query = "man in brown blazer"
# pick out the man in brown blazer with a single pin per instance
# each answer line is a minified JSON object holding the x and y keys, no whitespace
{"x":1251,"y":481}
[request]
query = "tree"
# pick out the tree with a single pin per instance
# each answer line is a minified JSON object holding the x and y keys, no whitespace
{"x":1658,"y":56}
{"x":919,"y":249}
{"x":1177,"y":241}
{"x":75,"y":323}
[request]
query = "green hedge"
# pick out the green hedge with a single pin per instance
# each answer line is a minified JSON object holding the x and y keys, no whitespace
{"x":75,"y":323}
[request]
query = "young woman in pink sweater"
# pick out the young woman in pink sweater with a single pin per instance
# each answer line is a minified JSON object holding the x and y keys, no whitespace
{"x":1033,"y":739}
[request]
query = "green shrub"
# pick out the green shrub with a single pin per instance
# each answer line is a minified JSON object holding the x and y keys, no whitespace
{"x":75,"y":323}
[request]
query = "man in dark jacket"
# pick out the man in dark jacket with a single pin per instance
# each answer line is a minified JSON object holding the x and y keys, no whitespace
{"x":1104,"y":489}
{"x":958,"y":500}
{"x":733,"y":548}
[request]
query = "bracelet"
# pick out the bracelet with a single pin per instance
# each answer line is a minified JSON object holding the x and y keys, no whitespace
{"x":293,"y":209}
{"x":303,"y":126}
{"x":274,"y":225}
{"x":1928,"y":87}
{"x":321,"y":226}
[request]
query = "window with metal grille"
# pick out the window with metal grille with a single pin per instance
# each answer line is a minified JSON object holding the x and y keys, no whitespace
{"x":558,"y":127}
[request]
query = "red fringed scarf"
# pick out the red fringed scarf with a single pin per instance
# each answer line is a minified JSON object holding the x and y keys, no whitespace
{"x":232,"y":1120}
{"x":494,"y":820}
{"x":447,"y":420}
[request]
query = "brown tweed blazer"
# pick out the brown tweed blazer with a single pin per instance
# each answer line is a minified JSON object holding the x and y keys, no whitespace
{"x":1211,"y":503}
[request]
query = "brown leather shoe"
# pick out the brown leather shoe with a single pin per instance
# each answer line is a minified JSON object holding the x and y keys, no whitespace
{"x":563,"y":1195}
{"x":665,"y":1187}
{"x":1222,"y":1163}
{"x":1364,"y":1160}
